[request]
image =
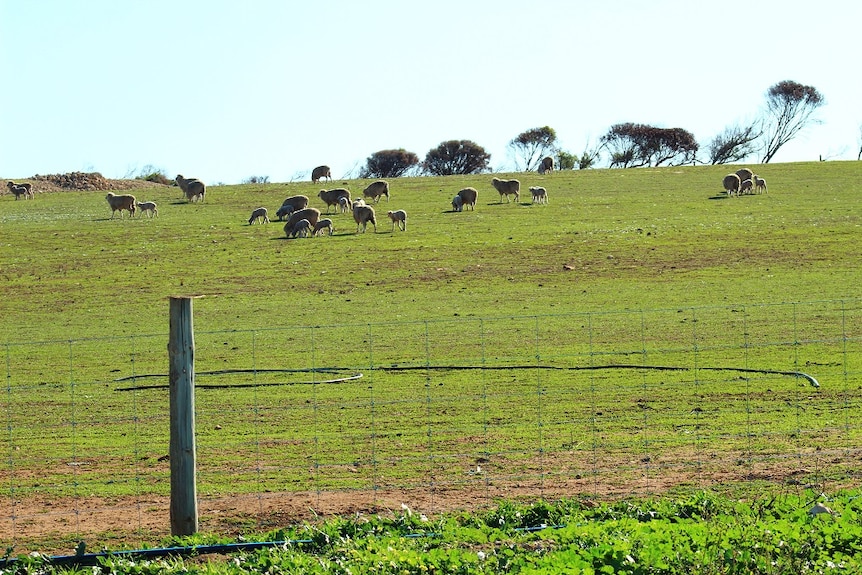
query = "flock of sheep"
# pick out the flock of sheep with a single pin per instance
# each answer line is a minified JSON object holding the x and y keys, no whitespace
{"x":744,"y":181}
{"x":193,"y":189}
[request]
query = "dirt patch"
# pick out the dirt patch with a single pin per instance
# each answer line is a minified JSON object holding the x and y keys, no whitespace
{"x":82,"y":181}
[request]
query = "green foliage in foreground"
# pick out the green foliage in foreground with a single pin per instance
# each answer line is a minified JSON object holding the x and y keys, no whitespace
{"x":700,"y":533}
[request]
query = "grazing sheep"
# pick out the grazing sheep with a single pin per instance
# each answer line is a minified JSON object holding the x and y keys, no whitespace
{"x":124,"y":202}
{"x":284,"y":211}
{"x":259,"y":214}
{"x":343,"y":204}
{"x":377,"y":189}
{"x":321,"y":225}
{"x":25,"y":189}
{"x":145,"y":207}
{"x":546,"y":165}
{"x":300,"y":229}
{"x":507,"y":188}
{"x":357,"y":202}
{"x":731,"y":184}
{"x":760,"y":185}
{"x":466,"y":197}
{"x":540,"y":195}
{"x":310,"y":214}
{"x":290,"y":205}
{"x":332,"y":197}
{"x":398,"y":217}
{"x":746,"y":186}
{"x":744,"y":174}
{"x":362,"y":215}
{"x":193,"y":188}
{"x":321,"y":172}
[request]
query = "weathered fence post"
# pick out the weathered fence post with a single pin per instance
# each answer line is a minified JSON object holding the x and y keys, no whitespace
{"x":181,"y":352}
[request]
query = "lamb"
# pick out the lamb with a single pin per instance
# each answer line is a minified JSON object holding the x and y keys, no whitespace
{"x":343,"y":204}
{"x":123,"y":202}
{"x":398,"y":217}
{"x":147,"y":207}
{"x":465,"y":197}
{"x":321,"y":225}
{"x":290,"y":205}
{"x":746,"y":186}
{"x":744,"y":174}
{"x":507,"y":188}
{"x":321,"y":172}
{"x":540,"y":195}
{"x":546,"y":165}
{"x":193,"y":188}
{"x":332,"y":197}
{"x":760,"y":185}
{"x":377,"y":189}
{"x":362,"y":215}
{"x":259,"y":214}
{"x":25,"y":189}
{"x":300,"y":229}
{"x":731,"y":184}
{"x":310,"y":214}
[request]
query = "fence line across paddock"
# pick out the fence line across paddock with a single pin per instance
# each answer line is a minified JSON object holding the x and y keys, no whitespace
{"x":441,"y":414}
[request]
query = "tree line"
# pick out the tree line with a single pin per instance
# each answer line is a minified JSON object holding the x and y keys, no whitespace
{"x":790,"y":107}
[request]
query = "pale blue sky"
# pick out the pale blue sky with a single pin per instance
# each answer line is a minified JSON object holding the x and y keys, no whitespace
{"x":225,"y":90}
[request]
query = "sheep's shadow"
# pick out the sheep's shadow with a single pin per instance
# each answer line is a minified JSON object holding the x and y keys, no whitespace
{"x":719,"y":197}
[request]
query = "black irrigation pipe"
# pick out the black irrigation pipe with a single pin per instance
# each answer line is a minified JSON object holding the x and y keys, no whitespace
{"x":809,"y":378}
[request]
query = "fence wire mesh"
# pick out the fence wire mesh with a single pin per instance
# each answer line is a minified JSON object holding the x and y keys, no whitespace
{"x":437,"y":415}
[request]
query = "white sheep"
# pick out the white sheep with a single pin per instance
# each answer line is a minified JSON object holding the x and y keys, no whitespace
{"x":300,"y":229}
{"x":466,"y":197}
{"x":540,"y":195}
{"x":123,"y":202}
{"x":362,"y":215}
{"x":398,"y":217}
{"x":507,"y":188}
{"x":343,"y":204}
{"x":150,"y":207}
{"x":760,"y":185}
{"x":323,"y":225}
{"x":284,"y":211}
{"x":746,"y":186}
{"x":259,"y":214}
{"x":731,"y":184}
{"x":744,"y":174}
{"x":310,"y":214}
{"x":333,"y":197}
{"x":193,"y":188}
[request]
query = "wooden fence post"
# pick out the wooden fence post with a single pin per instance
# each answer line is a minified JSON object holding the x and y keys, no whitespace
{"x":181,"y":352}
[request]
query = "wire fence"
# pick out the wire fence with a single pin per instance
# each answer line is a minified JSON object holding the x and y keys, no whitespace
{"x":436,"y":415}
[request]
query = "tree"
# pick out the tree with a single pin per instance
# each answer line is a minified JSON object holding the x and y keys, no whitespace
{"x":456,"y":157}
{"x":635,"y":145}
{"x":735,"y":143}
{"x":389,"y":164}
{"x":533,"y":145}
{"x":566,"y":160}
{"x":790,"y":108}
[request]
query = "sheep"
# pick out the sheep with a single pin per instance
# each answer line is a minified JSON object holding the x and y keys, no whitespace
{"x":343,"y":204}
{"x":540,"y":195}
{"x":310,"y":214}
{"x":746,"y":186}
{"x":25,"y":189}
{"x":357,"y":202}
{"x":506,"y":188}
{"x":123,"y":202}
{"x":731,"y":184}
{"x":300,"y":229}
{"x":332,"y":197}
{"x":291,"y":204}
{"x":466,"y":197}
{"x":362,"y":215}
{"x":377,"y":189}
{"x":147,"y":207}
{"x":398,"y":217}
{"x":321,"y":225}
{"x":321,"y":172}
{"x":259,"y":214}
{"x":546,"y":165}
{"x":744,"y":174}
{"x":193,"y":188}
{"x":760,"y":185}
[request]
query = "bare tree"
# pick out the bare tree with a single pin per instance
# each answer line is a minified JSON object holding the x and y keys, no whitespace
{"x":734,"y":144}
{"x":533,"y":145}
{"x":790,"y":107}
